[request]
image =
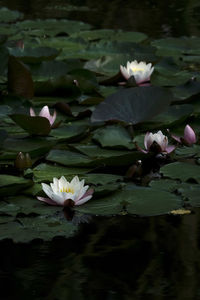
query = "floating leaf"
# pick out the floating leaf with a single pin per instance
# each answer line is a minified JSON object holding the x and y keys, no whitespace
{"x":69,"y":158}
{"x":11,"y":185}
{"x":181,"y":171}
{"x":45,"y":172}
{"x":33,"y":125}
{"x":36,"y":146}
{"x":149,"y":202}
{"x":127,"y":105}
{"x":193,"y":151}
{"x":7,"y":15}
{"x":19,"y":78}
{"x":51,"y":27}
{"x":34,"y":55}
{"x":113,"y":136}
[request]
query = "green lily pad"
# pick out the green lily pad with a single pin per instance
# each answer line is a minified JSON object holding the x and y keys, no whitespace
{"x":70,"y":131}
{"x":150,"y":202}
{"x":113,"y":136}
{"x":34,"y":55}
{"x":34,"y":146}
{"x":69,"y":158}
{"x":45,"y":172}
{"x":177,"y":46}
{"x":8,"y":16}
{"x":51,"y":27}
{"x":181,"y":171}
{"x":42,"y":227}
{"x":11,"y":185}
{"x":109,"y":34}
{"x":190,"y":192}
{"x":193,"y":151}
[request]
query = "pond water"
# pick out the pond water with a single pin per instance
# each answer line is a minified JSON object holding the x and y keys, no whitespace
{"x":155,"y":18}
{"x":114,"y":258}
{"x":124,"y":257}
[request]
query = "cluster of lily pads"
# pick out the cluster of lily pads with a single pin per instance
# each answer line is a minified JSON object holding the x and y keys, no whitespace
{"x":76,"y":106}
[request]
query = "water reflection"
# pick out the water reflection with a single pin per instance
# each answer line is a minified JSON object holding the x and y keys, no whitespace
{"x":154,"y":17}
{"x":110,"y":258}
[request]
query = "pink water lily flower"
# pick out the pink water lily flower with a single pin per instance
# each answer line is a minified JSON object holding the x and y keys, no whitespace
{"x":156,"y":142}
{"x":140,"y":70}
{"x":189,"y":137}
{"x":45,"y":113}
{"x":64,"y":193}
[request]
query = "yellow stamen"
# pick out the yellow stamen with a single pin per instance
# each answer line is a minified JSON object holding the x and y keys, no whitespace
{"x":67,"y":190}
{"x":137,"y":69}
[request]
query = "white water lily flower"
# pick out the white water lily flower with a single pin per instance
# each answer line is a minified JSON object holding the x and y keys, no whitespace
{"x":61,"y":190}
{"x":140,"y":70}
{"x":45,"y":113}
{"x":160,"y":139}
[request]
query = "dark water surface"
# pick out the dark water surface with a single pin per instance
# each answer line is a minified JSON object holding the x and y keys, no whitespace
{"x":154,"y":17}
{"x":110,"y":258}
{"x":120,"y":257}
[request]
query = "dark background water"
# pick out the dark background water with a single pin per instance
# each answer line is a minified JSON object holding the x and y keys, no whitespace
{"x":111,"y":258}
{"x":155,"y":17}
{"x":120,"y":257}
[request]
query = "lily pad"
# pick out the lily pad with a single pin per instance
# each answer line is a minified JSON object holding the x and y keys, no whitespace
{"x":42,"y":227}
{"x":193,"y":151}
{"x":149,"y":202}
{"x":45,"y":172}
{"x":11,"y":185}
{"x":34,"y":146}
{"x":127,"y":105}
{"x":19,"y":78}
{"x":33,"y":125}
{"x":34,"y":55}
{"x":51,"y":27}
{"x":8,"y":16}
{"x":182,"y":171}
{"x":113,"y":136}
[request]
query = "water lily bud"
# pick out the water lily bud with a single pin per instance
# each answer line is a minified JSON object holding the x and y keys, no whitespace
{"x":20,"y":161}
{"x":189,"y":135}
{"x":45,"y":114}
{"x":23,"y":161}
{"x":28,"y":161}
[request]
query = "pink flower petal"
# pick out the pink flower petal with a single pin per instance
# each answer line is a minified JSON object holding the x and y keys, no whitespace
{"x":124,"y":72}
{"x":146,"y":141}
{"x":53,"y":118}
{"x":189,"y":135}
{"x":169,"y":149}
{"x":176,"y":138}
{"x":45,"y":112}
{"x":32,"y":113}
{"x":47,"y":200}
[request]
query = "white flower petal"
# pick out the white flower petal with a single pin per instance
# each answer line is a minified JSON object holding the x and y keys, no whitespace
{"x":83,"y":200}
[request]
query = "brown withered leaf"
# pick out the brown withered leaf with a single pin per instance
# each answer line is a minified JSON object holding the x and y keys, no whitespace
{"x":20,"y":81}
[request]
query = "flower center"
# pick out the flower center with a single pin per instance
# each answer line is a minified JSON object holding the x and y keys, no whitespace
{"x":137,"y":69}
{"x":67,"y":190}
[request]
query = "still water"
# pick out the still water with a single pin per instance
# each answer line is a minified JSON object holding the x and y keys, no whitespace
{"x":119,"y":257}
{"x":110,"y":258}
{"x":154,"y":17}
